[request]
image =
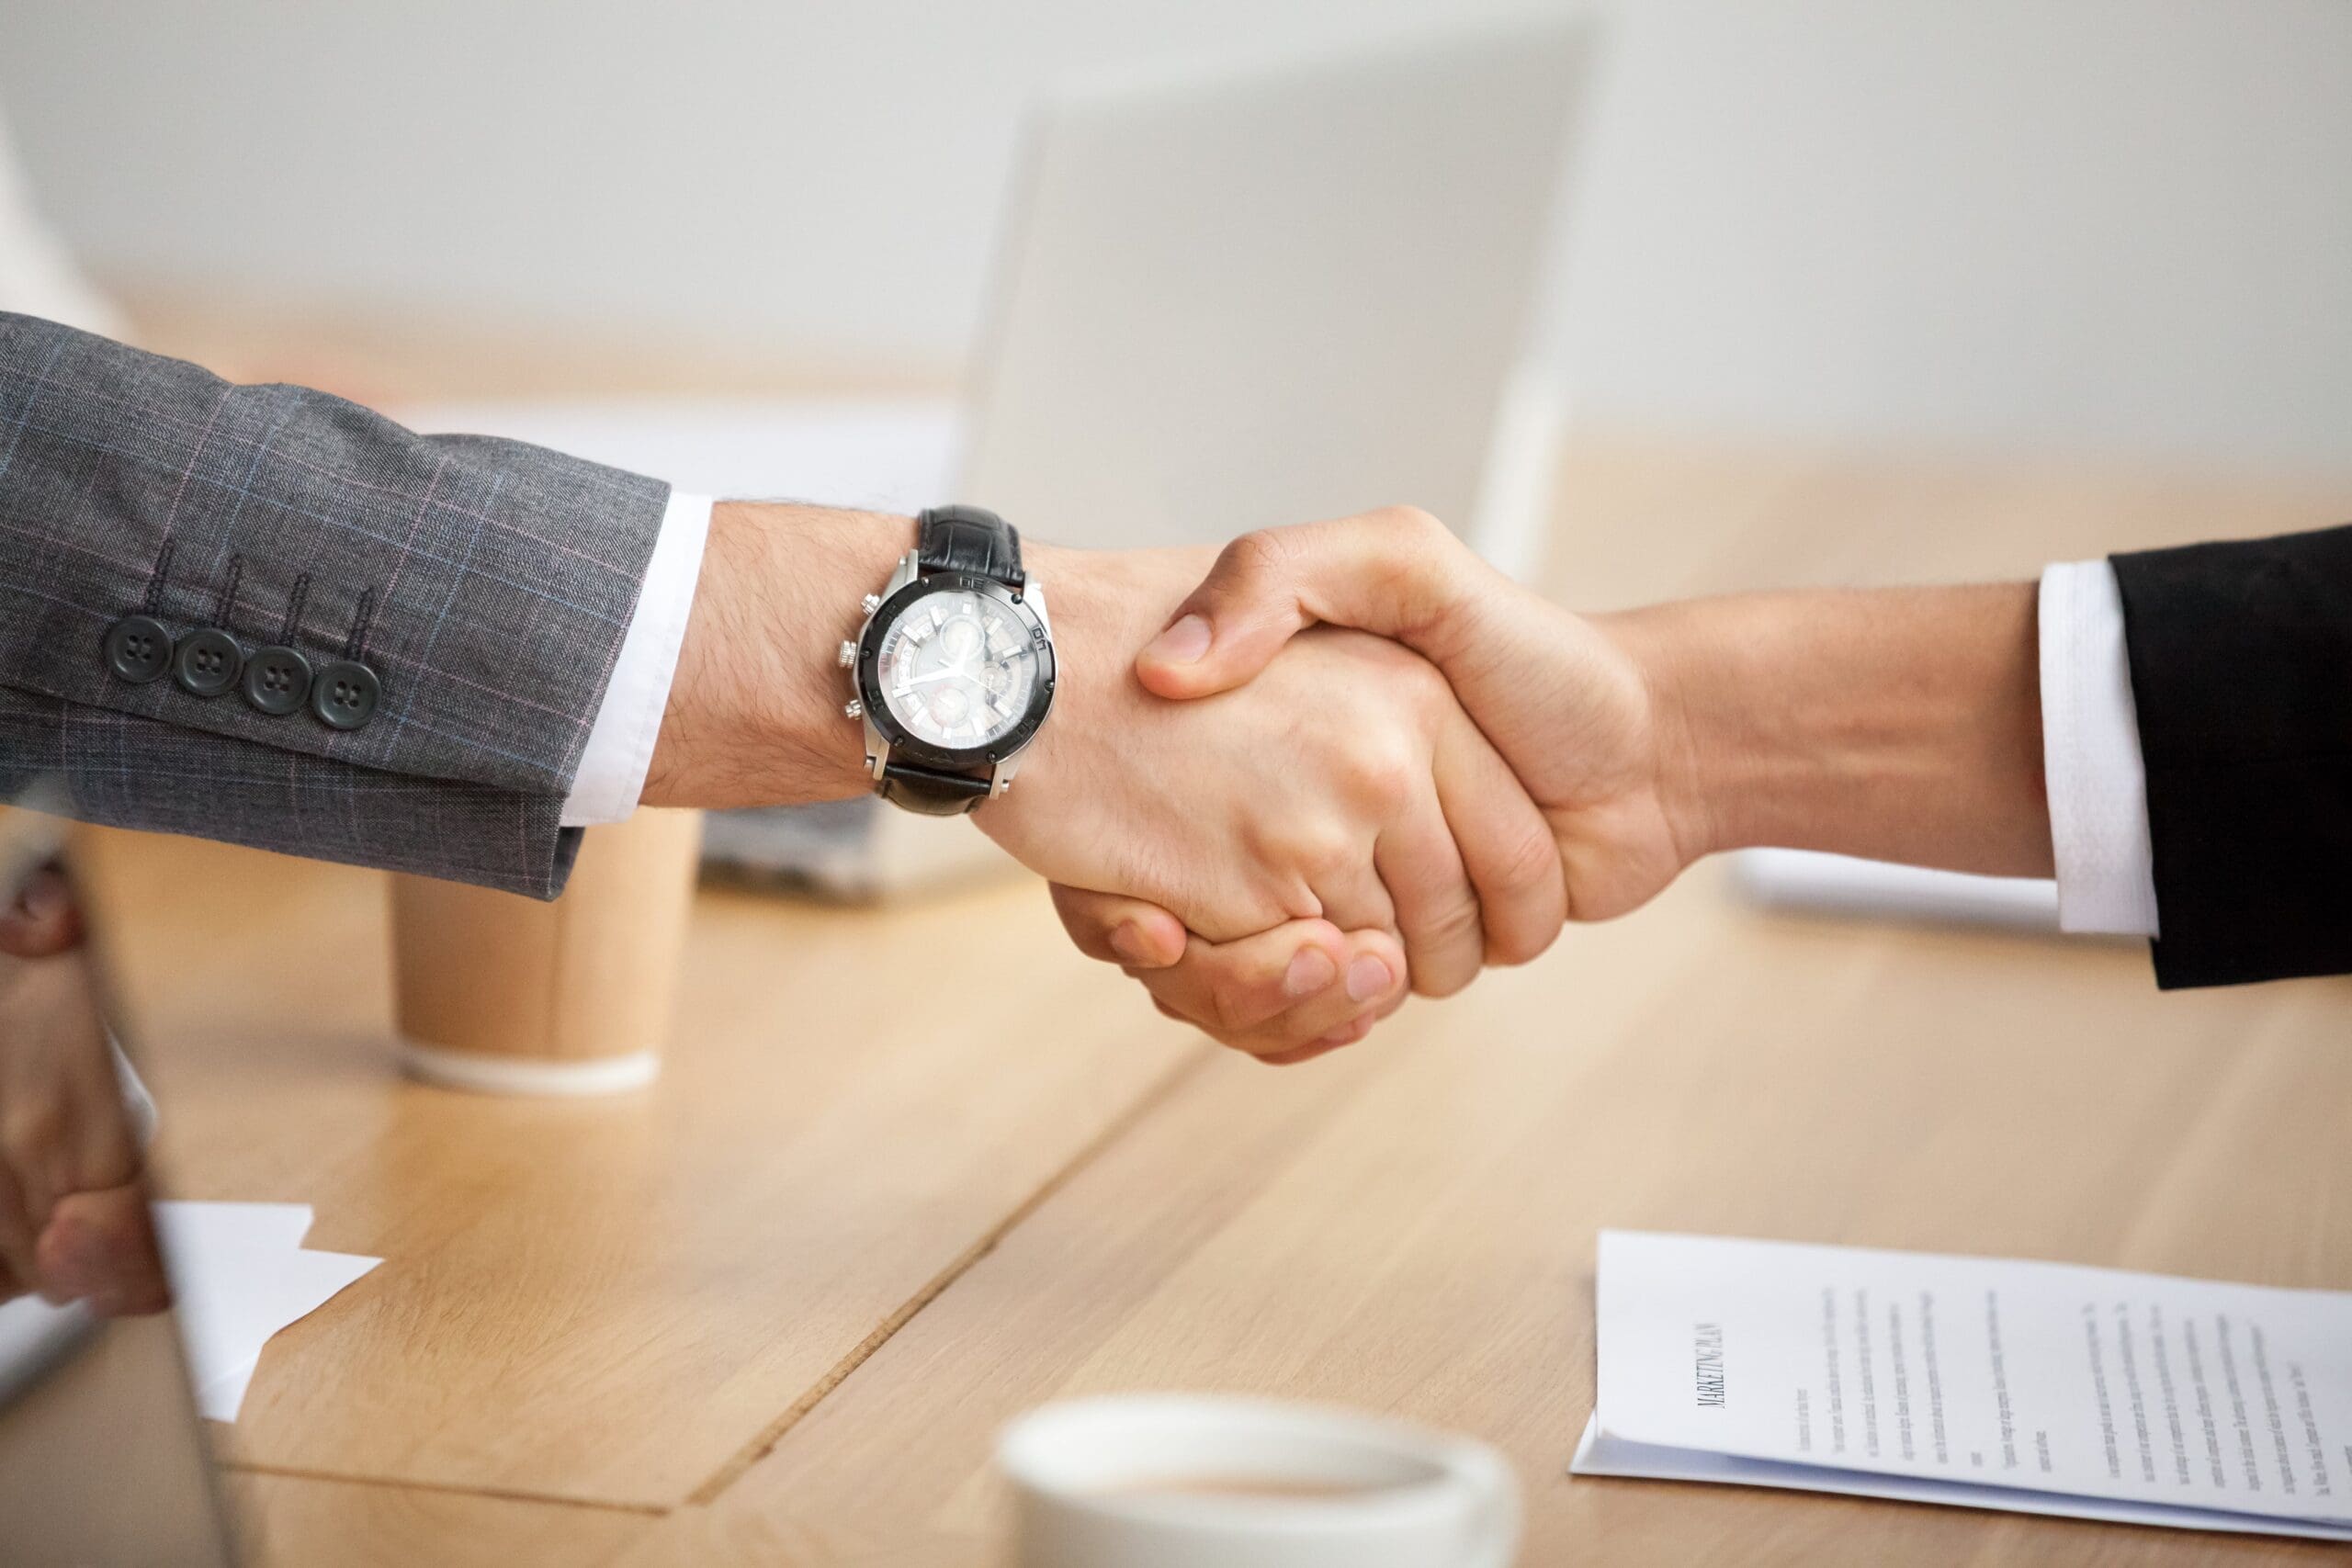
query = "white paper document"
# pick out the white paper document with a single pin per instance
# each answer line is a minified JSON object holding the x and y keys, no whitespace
{"x":1985,"y":1382}
{"x":239,"y":1273}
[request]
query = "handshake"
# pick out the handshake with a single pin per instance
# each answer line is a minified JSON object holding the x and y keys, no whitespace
{"x":1285,"y":785}
{"x":1378,"y":766}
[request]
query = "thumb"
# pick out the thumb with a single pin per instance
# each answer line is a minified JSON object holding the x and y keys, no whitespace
{"x":1234,"y":623}
{"x":100,"y":1248}
{"x":1397,"y":572}
{"x":1116,"y":930}
{"x":44,"y":920}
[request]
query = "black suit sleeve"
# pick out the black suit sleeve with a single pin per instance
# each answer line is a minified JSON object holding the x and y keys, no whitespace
{"x":2241,"y":660}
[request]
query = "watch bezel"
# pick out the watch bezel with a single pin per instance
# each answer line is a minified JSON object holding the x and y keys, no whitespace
{"x":904,"y":743}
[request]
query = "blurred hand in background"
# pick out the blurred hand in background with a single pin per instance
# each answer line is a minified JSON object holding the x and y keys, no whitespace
{"x":74,"y":1222}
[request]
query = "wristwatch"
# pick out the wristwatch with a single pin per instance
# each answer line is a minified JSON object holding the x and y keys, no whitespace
{"x":953,"y":671}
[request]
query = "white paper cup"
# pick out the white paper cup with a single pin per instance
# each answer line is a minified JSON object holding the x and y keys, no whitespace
{"x":1192,"y":1482}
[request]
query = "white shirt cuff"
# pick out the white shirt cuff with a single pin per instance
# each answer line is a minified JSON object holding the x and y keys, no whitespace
{"x":621,"y":743}
{"x":2096,"y":779}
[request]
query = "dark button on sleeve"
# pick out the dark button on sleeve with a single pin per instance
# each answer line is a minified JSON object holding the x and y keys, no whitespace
{"x":138,"y":649}
{"x":344,"y":696}
{"x":207,"y":662}
{"x":276,"y":680}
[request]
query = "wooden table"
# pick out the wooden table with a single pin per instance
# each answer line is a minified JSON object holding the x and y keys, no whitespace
{"x":770,"y":1310}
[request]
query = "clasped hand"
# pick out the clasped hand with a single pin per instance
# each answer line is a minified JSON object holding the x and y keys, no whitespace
{"x":1436,"y":789}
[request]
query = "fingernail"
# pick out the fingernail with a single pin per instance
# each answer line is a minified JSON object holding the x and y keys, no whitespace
{"x":1183,"y":643}
{"x":1346,"y":1034}
{"x":1311,"y":970}
{"x":1368,"y":977}
{"x":1129,"y":942}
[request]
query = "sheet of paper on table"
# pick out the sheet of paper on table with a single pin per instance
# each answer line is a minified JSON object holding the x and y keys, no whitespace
{"x":1984,"y":1382}
{"x":241,"y":1273}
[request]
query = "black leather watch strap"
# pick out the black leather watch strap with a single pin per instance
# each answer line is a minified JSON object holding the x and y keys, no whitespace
{"x":931,"y":793}
{"x":969,"y":539}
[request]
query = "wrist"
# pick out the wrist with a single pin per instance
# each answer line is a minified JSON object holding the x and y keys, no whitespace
{"x":1104,"y":606}
{"x":1894,"y":724}
{"x":755,"y":710}
{"x":1084,"y":605}
{"x":1693,"y":757}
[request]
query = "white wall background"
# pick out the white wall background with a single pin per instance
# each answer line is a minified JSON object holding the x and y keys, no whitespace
{"x":2101,"y":228}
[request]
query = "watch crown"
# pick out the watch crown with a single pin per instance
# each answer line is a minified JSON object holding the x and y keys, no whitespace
{"x":870,"y":603}
{"x":853,"y":709}
{"x":848,"y":654}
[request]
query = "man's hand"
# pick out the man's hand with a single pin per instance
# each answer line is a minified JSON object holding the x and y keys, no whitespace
{"x":1901,"y":725}
{"x":1283,"y":996}
{"x":74,"y":1225}
{"x":1344,"y":786}
{"x":1565,"y":699}
{"x":1565,"y":705}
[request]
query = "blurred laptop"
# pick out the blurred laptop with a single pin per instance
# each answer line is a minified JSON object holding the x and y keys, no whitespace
{"x":38,"y":277}
{"x":1231,"y":299}
{"x":102,"y":1461}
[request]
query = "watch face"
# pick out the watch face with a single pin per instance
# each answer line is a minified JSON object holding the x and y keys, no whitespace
{"x":957,"y":668}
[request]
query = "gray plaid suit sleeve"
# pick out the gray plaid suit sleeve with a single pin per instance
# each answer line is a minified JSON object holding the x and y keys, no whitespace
{"x":487,"y":583}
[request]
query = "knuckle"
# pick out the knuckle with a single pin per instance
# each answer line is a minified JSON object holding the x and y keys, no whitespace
{"x":37,"y":1128}
{"x":1530,"y":870}
{"x":1454,"y":932}
{"x":1229,"y":1010}
{"x":1321,"y":850}
{"x":1401,"y":688}
{"x":1417,"y":566}
{"x":1529,"y":866}
{"x":1423,"y":684}
{"x":1409,"y":525}
{"x":1079,"y":910}
{"x":1510,"y":947}
{"x":1456,"y":922}
{"x":1254,"y":556}
{"x":1437,"y":987}
{"x":1209,"y":1003}
{"x":1384,"y":780}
